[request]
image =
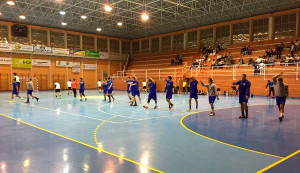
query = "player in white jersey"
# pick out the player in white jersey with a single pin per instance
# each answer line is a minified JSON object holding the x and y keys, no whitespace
{"x":69,"y":84}
{"x":57,"y":89}
{"x":99,"y":83}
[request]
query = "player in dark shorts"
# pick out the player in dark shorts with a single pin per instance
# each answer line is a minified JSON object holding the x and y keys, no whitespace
{"x":104,"y":88}
{"x":30,"y":89}
{"x":110,"y":89}
{"x":69,"y":84}
{"x":244,"y":93}
{"x":57,"y":89}
{"x":169,"y":91}
{"x":128,"y":82}
{"x":81,"y":89}
{"x":282,"y":92}
{"x":212,"y":94}
{"x":17,"y":79}
{"x":194,"y":93}
{"x":152,"y":93}
{"x":15,"y":91}
{"x":134,"y":89}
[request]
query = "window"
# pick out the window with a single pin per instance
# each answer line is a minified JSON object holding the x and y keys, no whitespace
{"x":114,"y":46}
{"x":39,"y":37}
{"x":260,"y":29}
{"x":3,"y":33}
{"x":206,"y":38}
{"x":73,"y":41}
{"x":125,"y":47}
{"x":88,"y":43}
{"x":135,"y":47}
{"x":102,"y":45}
{"x":57,"y":39}
{"x":192,"y":40}
{"x":155,"y":45}
{"x":166,"y":43}
{"x":145,"y":46}
{"x":285,"y":26}
{"x":223,"y":35}
{"x":240,"y":32}
{"x":178,"y":42}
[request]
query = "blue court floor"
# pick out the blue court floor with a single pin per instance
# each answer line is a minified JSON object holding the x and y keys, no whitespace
{"x":68,"y":135}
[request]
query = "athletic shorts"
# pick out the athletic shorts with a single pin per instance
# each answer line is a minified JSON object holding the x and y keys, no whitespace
{"x":144,"y":87}
{"x":211,"y":99}
{"x":19,"y":84}
{"x":134,"y":93}
{"x":194,"y":95}
{"x":29,"y":92}
{"x":152,"y":96}
{"x":105,"y":90}
{"x":99,"y":87}
{"x":69,"y":88}
{"x":57,"y":90}
{"x":15,"y":92}
{"x":138,"y":92}
{"x":81,"y":91}
{"x":242,"y":99}
{"x":110,"y":91}
{"x":280,"y":100}
{"x":169,"y":95}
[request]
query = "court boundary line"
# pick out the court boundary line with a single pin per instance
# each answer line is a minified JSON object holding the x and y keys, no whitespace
{"x":278,"y":162}
{"x":224,"y":143}
{"x":79,"y":142}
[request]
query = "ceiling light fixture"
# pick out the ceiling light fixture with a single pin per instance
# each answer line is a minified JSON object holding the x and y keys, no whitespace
{"x":11,"y":3}
{"x":120,"y":24}
{"x":83,"y":17}
{"x":22,"y":17}
{"x":145,"y":17}
{"x":63,"y":23}
{"x":99,"y":29}
{"x":107,"y":8}
{"x":62,"y":13}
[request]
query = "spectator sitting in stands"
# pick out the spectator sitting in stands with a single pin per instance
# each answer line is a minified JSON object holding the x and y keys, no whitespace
{"x":292,"y":49}
{"x":241,"y":62}
{"x":180,"y":59}
{"x":297,"y":44}
{"x":271,"y":61}
{"x":243,"y":50}
{"x":297,"y":59}
{"x":282,"y":61}
{"x":268,"y":52}
{"x":249,"y":50}
{"x":251,"y":62}
{"x":259,"y":60}
{"x":172,"y":61}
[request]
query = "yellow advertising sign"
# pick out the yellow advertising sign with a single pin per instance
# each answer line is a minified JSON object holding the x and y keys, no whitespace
{"x":21,"y":63}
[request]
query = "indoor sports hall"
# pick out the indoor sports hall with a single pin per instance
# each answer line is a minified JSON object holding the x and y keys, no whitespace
{"x":142,"y":86}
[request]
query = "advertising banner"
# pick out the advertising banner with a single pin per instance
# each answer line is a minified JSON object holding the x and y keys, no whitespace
{"x":42,"y":49}
{"x":60,"y":51}
{"x":90,"y":66}
{"x":41,"y":62}
{"x":5,"y":46}
{"x":77,"y":52}
{"x":67,"y":64}
{"x":22,"y":47}
{"x":103,"y":55}
{"x":92,"y":54}
{"x":21,"y":63}
{"x":4,"y":60}
{"x":76,"y":67}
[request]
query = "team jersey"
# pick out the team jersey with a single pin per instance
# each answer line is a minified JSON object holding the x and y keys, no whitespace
{"x":104,"y":85}
{"x":15,"y":86}
{"x":74,"y":84}
{"x":144,"y":84}
{"x":193,"y":85}
{"x":17,"y":78}
{"x":69,"y":83}
{"x":110,"y":83}
{"x":128,"y":83}
{"x":169,"y":87}
{"x":152,"y":88}
{"x":81,"y":85}
{"x":136,"y":86}
{"x":99,"y":84}
{"x":57,"y":85}
{"x":244,"y":87}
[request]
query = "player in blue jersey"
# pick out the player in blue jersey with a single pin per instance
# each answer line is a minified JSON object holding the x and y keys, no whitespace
{"x":110,"y":89}
{"x":194,"y":93}
{"x":152,"y":93}
{"x":134,"y":89}
{"x":169,"y":91}
{"x":15,"y":91}
{"x":244,"y":93}
{"x":104,"y":88}
{"x":128,"y":82}
{"x":81,"y":89}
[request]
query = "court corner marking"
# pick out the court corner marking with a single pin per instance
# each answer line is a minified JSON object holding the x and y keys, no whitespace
{"x":278,"y":162}
{"x":224,"y":143}
{"x":82,"y":143}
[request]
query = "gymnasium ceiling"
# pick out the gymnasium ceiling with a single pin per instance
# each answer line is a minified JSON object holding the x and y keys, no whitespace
{"x":165,"y":15}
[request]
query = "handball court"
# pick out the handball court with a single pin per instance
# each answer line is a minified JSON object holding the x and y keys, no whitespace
{"x":68,"y":135}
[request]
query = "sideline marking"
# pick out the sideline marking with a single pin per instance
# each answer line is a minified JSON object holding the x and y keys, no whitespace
{"x":278,"y":162}
{"x":224,"y":143}
{"x":73,"y":140}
